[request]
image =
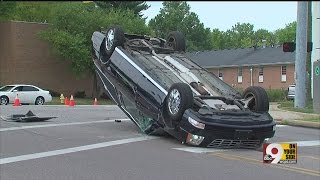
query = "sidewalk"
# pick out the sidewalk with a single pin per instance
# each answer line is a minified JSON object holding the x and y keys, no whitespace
{"x":292,"y":118}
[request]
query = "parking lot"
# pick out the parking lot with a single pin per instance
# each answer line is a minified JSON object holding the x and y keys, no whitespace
{"x":85,"y":142}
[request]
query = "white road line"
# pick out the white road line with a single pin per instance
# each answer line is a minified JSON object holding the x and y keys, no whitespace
{"x":59,"y":124}
{"x":74,"y":149}
{"x":305,"y":143}
{"x":199,"y":150}
{"x":281,"y":125}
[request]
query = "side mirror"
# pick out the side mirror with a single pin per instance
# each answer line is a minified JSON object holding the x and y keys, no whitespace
{"x":15,"y":90}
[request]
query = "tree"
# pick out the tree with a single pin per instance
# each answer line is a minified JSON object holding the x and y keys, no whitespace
{"x":217,"y":39}
{"x":263,"y":34}
{"x":135,"y":6}
{"x":287,"y":34}
{"x":34,"y":11}
{"x":6,"y":10}
{"x":176,"y":16}
{"x":242,"y":35}
{"x":71,"y":28}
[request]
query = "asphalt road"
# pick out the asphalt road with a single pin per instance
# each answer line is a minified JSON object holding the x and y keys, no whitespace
{"x":85,"y":143}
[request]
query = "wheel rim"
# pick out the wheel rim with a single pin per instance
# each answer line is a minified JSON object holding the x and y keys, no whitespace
{"x":252,"y":103}
{"x":171,"y":42}
{"x":3,"y":101}
{"x":174,"y":101}
{"x":39,"y":101}
{"x":109,"y":40}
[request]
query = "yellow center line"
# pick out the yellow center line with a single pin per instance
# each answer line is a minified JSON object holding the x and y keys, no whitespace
{"x":254,"y":161}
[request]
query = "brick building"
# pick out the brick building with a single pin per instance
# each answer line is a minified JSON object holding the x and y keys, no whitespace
{"x":268,"y":67}
{"x":26,"y":59}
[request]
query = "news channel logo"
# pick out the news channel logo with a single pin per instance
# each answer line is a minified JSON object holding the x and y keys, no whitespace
{"x":284,"y":153}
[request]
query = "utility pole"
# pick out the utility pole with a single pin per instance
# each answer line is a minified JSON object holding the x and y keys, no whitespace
{"x":301,"y":55}
{"x":308,"y":60}
{"x":316,"y":56}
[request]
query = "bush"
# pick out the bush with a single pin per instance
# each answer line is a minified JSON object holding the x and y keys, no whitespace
{"x":80,"y":94}
{"x":276,"y":95}
{"x":104,"y":96}
{"x":54,"y":93}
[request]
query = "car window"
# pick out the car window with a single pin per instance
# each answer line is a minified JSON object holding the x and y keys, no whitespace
{"x":19,"y":88}
{"x":29,"y":88}
{"x":6,"y":88}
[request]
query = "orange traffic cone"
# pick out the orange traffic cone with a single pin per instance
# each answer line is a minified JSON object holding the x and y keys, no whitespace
{"x":71,"y":104}
{"x":17,"y":101}
{"x":95,"y":102}
{"x":66,"y":101}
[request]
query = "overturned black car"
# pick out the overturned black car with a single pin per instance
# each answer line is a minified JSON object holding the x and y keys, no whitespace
{"x":161,"y":89}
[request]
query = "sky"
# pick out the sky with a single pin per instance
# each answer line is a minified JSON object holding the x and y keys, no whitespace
{"x":270,"y":15}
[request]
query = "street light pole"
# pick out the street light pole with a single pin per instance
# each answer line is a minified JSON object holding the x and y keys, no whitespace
{"x":301,"y":55}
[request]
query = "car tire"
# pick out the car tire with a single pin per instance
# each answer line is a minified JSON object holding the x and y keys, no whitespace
{"x":260,"y":145}
{"x":260,"y":103}
{"x":114,"y":37}
{"x":4,"y":100}
{"x":176,"y":40}
{"x":39,"y":101}
{"x":179,"y":98}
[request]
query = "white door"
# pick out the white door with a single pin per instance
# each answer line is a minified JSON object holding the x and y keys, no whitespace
{"x":17,"y":91}
{"x":30,"y":94}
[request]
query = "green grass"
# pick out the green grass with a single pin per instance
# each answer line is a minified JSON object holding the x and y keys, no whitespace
{"x":81,"y":101}
{"x":312,"y":119}
{"x":289,"y":105}
{"x":276,"y":95}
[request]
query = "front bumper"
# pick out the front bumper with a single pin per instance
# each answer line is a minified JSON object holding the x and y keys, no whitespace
{"x":220,"y":135}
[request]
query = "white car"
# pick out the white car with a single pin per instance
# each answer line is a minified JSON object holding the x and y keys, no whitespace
{"x":27,"y":94}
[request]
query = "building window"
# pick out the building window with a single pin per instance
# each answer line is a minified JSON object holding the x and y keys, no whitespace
{"x":220,"y":74}
{"x":283,"y":73}
{"x":240,"y":75}
{"x":260,"y":74}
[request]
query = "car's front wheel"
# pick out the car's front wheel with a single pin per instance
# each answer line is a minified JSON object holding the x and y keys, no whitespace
{"x":114,"y":37}
{"x":179,"y":98}
{"x":39,"y":101}
{"x":176,"y":41}
{"x":4,"y":100}
{"x":259,"y":99}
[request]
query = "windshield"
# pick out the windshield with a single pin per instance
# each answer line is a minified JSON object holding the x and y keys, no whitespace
{"x":6,"y":88}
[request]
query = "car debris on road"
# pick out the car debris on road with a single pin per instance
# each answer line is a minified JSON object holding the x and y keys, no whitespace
{"x":28,"y":117}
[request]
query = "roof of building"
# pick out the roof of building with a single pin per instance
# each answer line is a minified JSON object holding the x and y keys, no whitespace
{"x":242,"y":57}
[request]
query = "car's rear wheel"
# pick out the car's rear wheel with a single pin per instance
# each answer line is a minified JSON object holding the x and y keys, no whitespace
{"x":4,"y":100}
{"x":179,"y":99}
{"x":39,"y":101}
{"x":260,"y":100}
{"x":114,"y":37}
{"x":176,"y":40}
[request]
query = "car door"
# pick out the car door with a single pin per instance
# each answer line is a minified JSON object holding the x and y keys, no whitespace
{"x":30,"y":93}
{"x":17,"y":91}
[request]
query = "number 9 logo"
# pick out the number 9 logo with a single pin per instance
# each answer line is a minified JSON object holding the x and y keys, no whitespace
{"x":276,"y":152}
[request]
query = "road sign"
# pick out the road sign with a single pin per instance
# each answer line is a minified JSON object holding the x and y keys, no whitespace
{"x":317,"y":71}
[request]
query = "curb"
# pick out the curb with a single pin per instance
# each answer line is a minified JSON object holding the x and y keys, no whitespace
{"x":298,"y":123}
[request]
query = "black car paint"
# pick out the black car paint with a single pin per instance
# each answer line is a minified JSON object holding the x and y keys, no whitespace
{"x":139,"y":98}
